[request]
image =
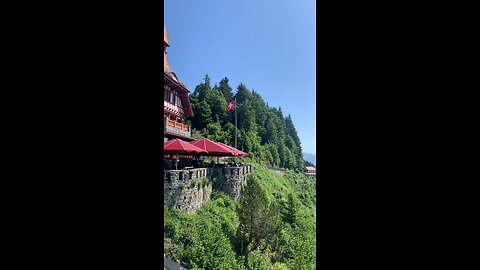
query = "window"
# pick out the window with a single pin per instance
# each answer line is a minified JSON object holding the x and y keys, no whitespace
{"x":179,"y":102}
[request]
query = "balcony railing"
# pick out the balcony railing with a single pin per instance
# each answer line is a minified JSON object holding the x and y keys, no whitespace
{"x":178,"y":125}
{"x":185,"y":174}
{"x":240,"y":170}
{"x":172,"y":108}
{"x":177,"y":128}
{"x":195,"y":173}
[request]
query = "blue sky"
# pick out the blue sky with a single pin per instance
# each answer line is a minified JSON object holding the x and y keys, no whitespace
{"x":268,"y":45}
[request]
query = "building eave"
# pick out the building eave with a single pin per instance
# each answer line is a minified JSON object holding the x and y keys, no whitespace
{"x":178,"y":85}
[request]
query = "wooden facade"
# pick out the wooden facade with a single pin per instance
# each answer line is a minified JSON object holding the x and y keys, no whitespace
{"x":176,"y":104}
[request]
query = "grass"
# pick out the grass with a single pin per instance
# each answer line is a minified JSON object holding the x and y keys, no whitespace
{"x":184,"y":232}
{"x":279,"y":187}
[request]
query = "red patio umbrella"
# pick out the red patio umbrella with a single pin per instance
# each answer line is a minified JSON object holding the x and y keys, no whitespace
{"x":213,"y":148}
{"x":238,"y":152}
{"x":178,"y":146}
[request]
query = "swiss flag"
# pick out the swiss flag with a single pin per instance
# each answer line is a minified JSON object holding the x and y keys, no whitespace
{"x":231,"y":105}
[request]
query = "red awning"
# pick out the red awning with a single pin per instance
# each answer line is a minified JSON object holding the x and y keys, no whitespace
{"x":178,"y":146}
{"x":213,"y":148}
{"x":238,"y":152}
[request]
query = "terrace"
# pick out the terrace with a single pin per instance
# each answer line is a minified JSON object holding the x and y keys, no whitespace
{"x":176,"y":128}
{"x":186,"y":173}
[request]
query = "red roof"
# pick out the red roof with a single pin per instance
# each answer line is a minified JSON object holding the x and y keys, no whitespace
{"x":165,"y":36}
{"x":171,"y":78}
{"x":310,"y":168}
{"x":213,"y":148}
{"x":178,"y":146}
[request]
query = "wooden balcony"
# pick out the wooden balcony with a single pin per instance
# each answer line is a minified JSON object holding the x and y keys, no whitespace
{"x":176,"y":128}
{"x":178,"y":125}
{"x":171,"y":108}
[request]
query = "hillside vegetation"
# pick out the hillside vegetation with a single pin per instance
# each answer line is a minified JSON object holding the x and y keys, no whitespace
{"x":263,"y":132}
{"x":272,"y":226}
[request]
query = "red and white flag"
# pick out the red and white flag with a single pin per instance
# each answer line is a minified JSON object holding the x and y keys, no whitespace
{"x":231,"y":105}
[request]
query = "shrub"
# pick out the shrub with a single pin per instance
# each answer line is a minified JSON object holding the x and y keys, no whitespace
{"x":208,"y":239}
{"x":279,"y":266}
{"x":205,"y":182}
{"x":256,"y":261}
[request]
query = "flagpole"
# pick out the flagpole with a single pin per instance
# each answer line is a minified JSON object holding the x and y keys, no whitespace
{"x":235,"y":121}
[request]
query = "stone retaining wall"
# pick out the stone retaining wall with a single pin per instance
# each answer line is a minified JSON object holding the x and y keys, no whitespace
{"x":230,"y":180}
{"x":188,"y":190}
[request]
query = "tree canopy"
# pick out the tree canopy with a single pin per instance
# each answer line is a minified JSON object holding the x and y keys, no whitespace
{"x":263,"y":131}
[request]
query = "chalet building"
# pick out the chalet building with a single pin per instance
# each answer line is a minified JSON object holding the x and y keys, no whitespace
{"x":181,"y":183}
{"x":311,"y":171}
{"x":176,"y":104}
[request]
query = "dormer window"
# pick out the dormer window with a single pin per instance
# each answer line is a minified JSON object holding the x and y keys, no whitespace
{"x":174,"y":76}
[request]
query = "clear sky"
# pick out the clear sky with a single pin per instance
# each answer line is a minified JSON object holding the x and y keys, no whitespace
{"x":268,"y":45}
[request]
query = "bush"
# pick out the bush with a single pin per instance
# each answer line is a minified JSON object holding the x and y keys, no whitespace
{"x":256,"y":261}
{"x":208,"y":239}
{"x":205,"y":182}
{"x":279,"y":266}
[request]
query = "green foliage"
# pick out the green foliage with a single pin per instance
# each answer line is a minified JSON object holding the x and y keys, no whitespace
{"x":200,"y":183}
{"x":308,"y":163}
{"x":257,"y":261}
{"x":204,"y":182}
{"x":216,"y":133}
{"x":197,"y":134}
{"x":203,"y":115}
{"x":225,"y":89}
{"x":272,"y":226}
{"x":210,"y":250}
{"x":279,"y":266}
{"x":218,"y":105}
{"x":264,"y":132}
{"x":198,"y":242}
{"x":258,"y":217}
{"x":292,"y":208}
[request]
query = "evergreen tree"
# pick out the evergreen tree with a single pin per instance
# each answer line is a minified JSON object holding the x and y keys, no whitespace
{"x":292,"y":210}
{"x":308,"y":163}
{"x":218,"y":105}
{"x":203,"y":115}
{"x":258,"y":218}
{"x":263,"y":131}
{"x":225,"y":89}
{"x":202,"y":89}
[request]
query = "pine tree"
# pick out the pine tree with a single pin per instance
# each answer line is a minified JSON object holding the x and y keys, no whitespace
{"x":258,"y":218}
{"x":225,"y":89}
{"x":203,"y":115}
{"x":263,"y":131}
